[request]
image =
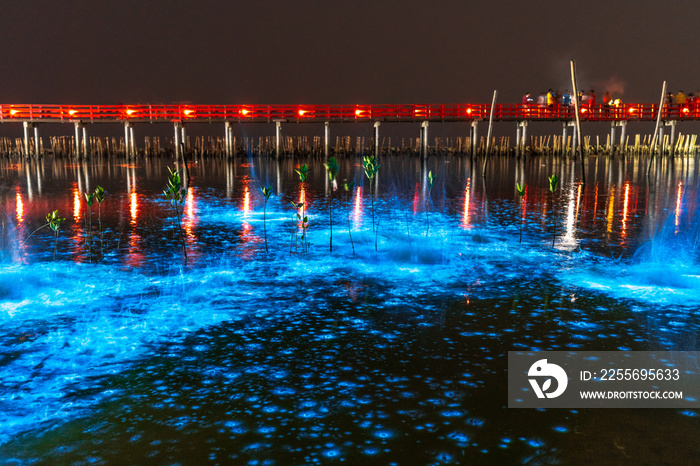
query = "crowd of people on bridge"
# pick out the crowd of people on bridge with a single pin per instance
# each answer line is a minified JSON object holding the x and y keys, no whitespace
{"x":559,"y":104}
{"x":551,"y":99}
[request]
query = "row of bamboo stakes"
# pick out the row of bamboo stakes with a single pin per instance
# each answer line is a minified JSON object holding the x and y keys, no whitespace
{"x":64,"y":146}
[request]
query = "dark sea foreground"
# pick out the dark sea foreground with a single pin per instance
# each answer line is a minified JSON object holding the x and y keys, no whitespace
{"x":391,"y":349}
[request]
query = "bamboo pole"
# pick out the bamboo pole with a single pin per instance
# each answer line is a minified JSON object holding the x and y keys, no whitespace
{"x":656,"y":129}
{"x":578,"y":119}
{"x":488,"y":137}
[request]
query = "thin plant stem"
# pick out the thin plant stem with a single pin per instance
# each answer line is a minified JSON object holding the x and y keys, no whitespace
{"x":350,"y":233}
{"x":265,"y":225}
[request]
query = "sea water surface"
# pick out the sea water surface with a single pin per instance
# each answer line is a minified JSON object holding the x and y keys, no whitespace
{"x":265,"y":347}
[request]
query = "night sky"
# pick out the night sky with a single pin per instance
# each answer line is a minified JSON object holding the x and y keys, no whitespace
{"x":341,"y":52}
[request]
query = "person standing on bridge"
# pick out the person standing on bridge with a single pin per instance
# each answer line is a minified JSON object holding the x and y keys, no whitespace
{"x":693,"y":103}
{"x":551,"y":100}
{"x":566,"y":102}
{"x":541,"y":103}
{"x":607,"y":98}
{"x":527,"y":103}
{"x":680,"y":102}
{"x":566,"y":99}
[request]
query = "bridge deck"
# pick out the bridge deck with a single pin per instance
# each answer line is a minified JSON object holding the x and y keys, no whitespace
{"x":337,"y":113}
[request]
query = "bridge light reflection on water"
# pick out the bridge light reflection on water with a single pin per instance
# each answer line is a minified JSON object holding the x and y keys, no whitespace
{"x":19,"y":206}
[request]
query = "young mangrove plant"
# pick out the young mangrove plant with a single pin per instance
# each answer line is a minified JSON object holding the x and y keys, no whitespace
{"x":553,"y":182}
{"x":54,"y":222}
{"x":303,"y":172}
{"x":99,"y":197}
{"x":521,"y":193}
{"x":431,"y":180}
{"x":89,"y":198}
{"x":332,"y":168}
{"x":296,"y":218}
{"x":371,"y":166}
{"x":266,"y":192}
{"x":348,"y":187}
{"x":176,"y":194}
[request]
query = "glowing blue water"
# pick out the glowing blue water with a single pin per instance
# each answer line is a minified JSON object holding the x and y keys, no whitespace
{"x":387,"y":355}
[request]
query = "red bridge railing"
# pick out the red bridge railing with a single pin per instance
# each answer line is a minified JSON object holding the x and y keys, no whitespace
{"x":339,"y":113}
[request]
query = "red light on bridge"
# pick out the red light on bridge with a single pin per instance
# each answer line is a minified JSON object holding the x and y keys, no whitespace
{"x":188,"y":112}
{"x":632,"y":110}
{"x":584,"y":110}
{"x":13,"y":112}
{"x":72,"y":112}
{"x":244,"y":112}
{"x":129,"y":111}
{"x":358,"y":113}
{"x":686,"y":110}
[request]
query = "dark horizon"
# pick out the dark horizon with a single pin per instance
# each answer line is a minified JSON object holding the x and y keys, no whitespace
{"x":360,"y":52}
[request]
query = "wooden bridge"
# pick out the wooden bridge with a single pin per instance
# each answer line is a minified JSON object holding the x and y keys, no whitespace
{"x":153,"y":113}
{"x":31,"y":115}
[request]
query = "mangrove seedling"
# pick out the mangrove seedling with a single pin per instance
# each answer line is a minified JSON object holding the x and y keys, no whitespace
{"x":332,"y":168}
{"x":348,"y":187}
{"x":99,"y":197}
{"x":89,"y":198}
{"x":521,"y":193}
{"x":303,"y":172}
{"x":266,"y":192}
{"x":299,"y":217}
{"x":553,"y":182}
{"x":371,"y":166}
{"x":175,"y":193}
{"x":294,"y":241}
{"x":54,"y":222}
{"x":431,"y":180}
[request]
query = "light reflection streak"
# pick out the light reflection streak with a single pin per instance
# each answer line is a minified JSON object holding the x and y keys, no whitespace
{"x":190,"y":219}
{"x":246,"y":199}
{"x":19,"y":209}
{"x":625,"y":206}
{"x":416,"y":199}
{"x":133,"y":207}
{"x":611,"y":204}
{"x":134,"y":257}
{"x":358,"y":205}
{"x":679,"y":196}
{"x":76,"y":204}
{"x":572,"y":215}
{"x":595,"y":204}
{"x":467,"y":201}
